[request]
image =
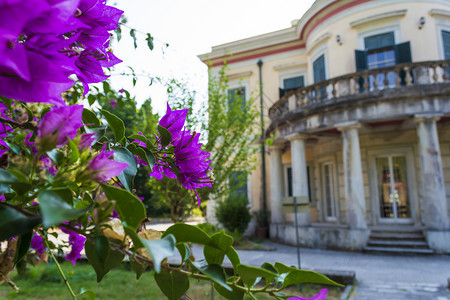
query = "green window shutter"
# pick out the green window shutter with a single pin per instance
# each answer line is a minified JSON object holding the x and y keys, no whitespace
{"x":379,"y":41}
{"x":282,"y":92}
{"x":293,"y":83}
{"x":361,"y":60}
{"x":403,"y":53}
{"x":446,"y":44}
{"x":319,"y":69}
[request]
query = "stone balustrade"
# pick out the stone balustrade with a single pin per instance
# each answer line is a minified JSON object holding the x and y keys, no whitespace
{"x":362,"y":84}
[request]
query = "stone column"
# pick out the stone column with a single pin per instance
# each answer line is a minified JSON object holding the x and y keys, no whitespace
{"x":433,"y":187}
{"x":299,"y":174}
{"x":276,"y":185}
{"x":354,"y":186}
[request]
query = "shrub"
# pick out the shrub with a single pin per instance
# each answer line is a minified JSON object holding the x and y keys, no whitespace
{"x":233,"y":213}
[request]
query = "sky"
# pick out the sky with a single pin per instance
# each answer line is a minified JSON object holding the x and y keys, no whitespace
{"x":190,"y":28}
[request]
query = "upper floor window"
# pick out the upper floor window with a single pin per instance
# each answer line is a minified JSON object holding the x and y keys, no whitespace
{"x":238,"y":182}
{"x":446,"y":43}
{"x":292,"y":83}
{"x":236,"y":103}
{"x":381,"y":51}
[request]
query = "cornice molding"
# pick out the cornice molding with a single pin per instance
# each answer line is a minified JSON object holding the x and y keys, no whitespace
{"x":377,"y":17}
{"x":439,"y":12}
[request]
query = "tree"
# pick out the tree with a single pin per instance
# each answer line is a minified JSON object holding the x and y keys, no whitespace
{"x":227,"y":130}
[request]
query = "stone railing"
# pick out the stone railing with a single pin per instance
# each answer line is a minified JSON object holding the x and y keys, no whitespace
{"x":362,"y":84}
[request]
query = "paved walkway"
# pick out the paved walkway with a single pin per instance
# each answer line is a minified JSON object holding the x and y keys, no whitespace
{"x":378,"y":276}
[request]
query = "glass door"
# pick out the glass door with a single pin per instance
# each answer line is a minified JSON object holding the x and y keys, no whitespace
{"x":393,"y":190}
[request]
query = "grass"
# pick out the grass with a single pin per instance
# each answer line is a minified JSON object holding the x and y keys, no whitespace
{"x":44,"y":282}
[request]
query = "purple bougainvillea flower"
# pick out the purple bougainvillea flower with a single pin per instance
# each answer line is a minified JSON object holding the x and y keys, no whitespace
{"x":37,"y":243}
{"x":48,"y":165}
{"x":173,"y":121}
{"x":102,"y":167}
{"x":321,"y":295}
{"x":190,"y":160}
{"x":87,"y":140}
{"x":113,"y":103}
{"x":57,"y":125}
{"x":77,"y":244}
{"x":2,"y":197}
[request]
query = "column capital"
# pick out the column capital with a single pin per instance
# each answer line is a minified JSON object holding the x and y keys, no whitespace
{"x":420,"y":118}
{"x":296,"y":136}
{"x":275,"y":147}
{"x":348,"y":125}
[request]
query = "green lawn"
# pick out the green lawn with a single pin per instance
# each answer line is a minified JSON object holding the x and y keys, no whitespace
{"x":44,"y":282}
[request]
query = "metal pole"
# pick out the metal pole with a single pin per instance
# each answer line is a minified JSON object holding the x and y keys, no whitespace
{"x":296,"y":233}
{"x":263,"y":150}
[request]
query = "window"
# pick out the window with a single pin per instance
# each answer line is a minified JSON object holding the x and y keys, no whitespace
{"x":392,"y":185}
{"x":290,"y":84}
{"x":238,"y":181}
{"x":328,"y":195}
{"x":236,"y":103}
{"x":289,"y":179}
{"x":319,"y":74}
{"x":381,"y":51}
{"x":446,"y":43}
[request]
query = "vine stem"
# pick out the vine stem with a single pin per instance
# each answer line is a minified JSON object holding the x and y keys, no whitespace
{"x":61,"y":272}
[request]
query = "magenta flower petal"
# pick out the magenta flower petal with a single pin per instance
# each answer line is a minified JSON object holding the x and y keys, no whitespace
{"x":173,"y":121}
{"x":77,"y":245}
{"x":37,"y":243}
{"x":103,"y":167}
{"x":321,"y":295}
{"x":59,"y":124}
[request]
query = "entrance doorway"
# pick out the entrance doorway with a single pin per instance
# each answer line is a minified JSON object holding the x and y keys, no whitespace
{"x":394,"y":203}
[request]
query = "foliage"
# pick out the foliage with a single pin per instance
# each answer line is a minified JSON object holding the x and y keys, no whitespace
{"x":69,"y":169}
{"x":229,"y":132}
{"x":233,"y":213}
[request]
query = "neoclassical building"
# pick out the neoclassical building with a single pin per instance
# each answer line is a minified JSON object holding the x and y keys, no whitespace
{"x":356,"y":95}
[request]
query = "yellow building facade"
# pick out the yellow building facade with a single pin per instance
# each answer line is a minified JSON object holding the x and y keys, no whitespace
{"x":357,"y":96}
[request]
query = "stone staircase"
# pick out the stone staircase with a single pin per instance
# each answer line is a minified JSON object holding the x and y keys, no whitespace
{"x":401,"y":240}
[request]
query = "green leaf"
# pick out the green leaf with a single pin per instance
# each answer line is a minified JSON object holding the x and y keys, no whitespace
{"x":55,"y":210}
{"x":65,"y":194}
{"x":114,"y":259}
{"x":56,"y":156}
{"x":149,"y":40}
{"x":102,"y":249}
{"x":143,"y":153}
{"x":87,"y":295}
{"x":269,"y":267}
{"x":160,"y":249}
{"x":236,"y":294}
{"x":22,"y":246}
{"x":133,"y":35}
{"x":185,"y":233}
{"x":214,"y":272}
{"x":89,"y":118}
{"x":106,"y":87}
{"x":118,"y":33}
{"x":185,"y":251}
{"x":166,"y":136}
{"x":134,"y":236}
{"x":138,"y":268}
{"x":116,"y":125}
{"x":172,"y":284}
{"x":138,"y":137}
{"x":233,"y":257}
{"x":13,"y":223}
{"x":303,"y":276}
{"x":99,"y":131}
{"x":74,"y":153}
{"x":215,"y":255}
{"x":91,"y":100}
{"x":250,"y":274}
{"x":130,"y":209}
{"x":282,"y":268}
{"x":126,"y":177}
{"x":7,"y":177}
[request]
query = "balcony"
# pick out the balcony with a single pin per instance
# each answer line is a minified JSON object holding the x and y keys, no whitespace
{"x":341,"y":98}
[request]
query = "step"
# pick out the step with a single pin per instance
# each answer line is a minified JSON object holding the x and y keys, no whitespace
{"x":389,"y":243}
{"x":398,"y":250}
{"x":401,"y":236}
